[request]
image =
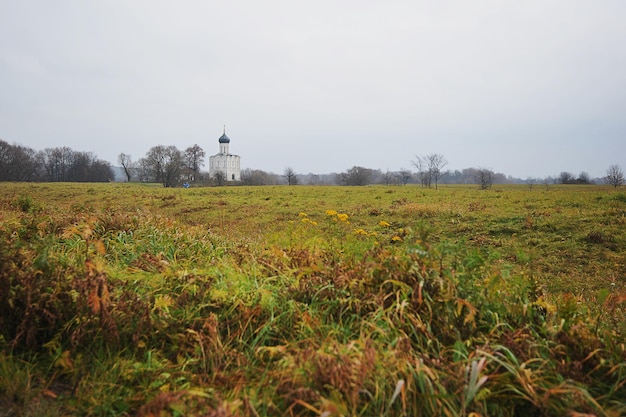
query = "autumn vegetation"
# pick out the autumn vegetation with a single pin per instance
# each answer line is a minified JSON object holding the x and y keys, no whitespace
{"x":135,"y":299}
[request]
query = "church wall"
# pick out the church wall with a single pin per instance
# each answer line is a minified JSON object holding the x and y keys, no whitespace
{"x":228,"y":164}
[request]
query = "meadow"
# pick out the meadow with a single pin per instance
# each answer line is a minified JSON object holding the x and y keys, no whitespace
{"x":134,"y":299}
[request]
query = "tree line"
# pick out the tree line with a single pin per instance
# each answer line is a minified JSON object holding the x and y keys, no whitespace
{"x":172,"y":167}
{"x":21,"y":163}
{"x":166,"y":165}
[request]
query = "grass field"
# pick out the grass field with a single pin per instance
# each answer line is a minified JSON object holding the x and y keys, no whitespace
{"x":132,"y":299}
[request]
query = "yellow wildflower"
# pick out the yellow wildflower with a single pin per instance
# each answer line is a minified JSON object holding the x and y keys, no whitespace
{"x":302,"y":214}
{"x":342,"y":217}
{"x":396,"y":238}
{"x":361,"y":232}
{"x":383,"y":224}
{"x":307,"y":220}
{"x":331,"y":212}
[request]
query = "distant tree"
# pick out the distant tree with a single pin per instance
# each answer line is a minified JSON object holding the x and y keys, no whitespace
{"x":86,"y":167}
{"x":387,"y":177}
{"x":17,"y":163}
{"x":470,"y":176}
{"x":258,"y":177}
{"x":531,"y":181}
{"x":100,"y":171}
{"x":436,"y":163}
{"x":152,"y":164}
{"x":26,"y":160}
{"x":173,"y":166}
{"x":423,"y":173}
{"x":355,"y":176}
{"x":291,"y":176}
{"x":78,"y":167}
{"x":144,"y":170}
{"x":566,"y":178}
{"x":453,"y":177}
{"x":64,"y":164}
{"x":127,"y":164}
{"x":404,"y":176}
{"x":614,"y":176}
{"x":56,"y":163}
{"x":219,"y":178}
{"x":194,"y":160}
{"x":163,"y":164}
{"x":583,"y":178}
{"x":430,"y":168}
{"x":484,"y":177}
{"x":312,"y":179}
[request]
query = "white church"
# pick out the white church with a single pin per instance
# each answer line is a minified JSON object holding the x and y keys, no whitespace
{"x":225,"y":162}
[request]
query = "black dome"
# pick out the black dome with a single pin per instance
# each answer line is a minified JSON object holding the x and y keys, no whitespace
{"x":224,"y":139}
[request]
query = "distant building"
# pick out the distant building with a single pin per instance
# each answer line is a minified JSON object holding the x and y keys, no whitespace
{"x":225,"y":162}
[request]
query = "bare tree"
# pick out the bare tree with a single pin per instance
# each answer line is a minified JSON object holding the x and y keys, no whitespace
{"x":423,"y":174}
{"x":219,"y":178}
{"x":56,"y":162}
{"x":614,"y":176}
{"x":164,"y":165}
{"x":99,"y":171}
{"x":404,"y":175}
{"x":436,"y":163}
{"x":17,"y":163}
{"x":291,"y":176}
{"x":258,"y":177}
{"x":194,"y":160}
{"x":387,"y":177}
{"x":64,"y":164}
{"x":78,"y":168}
{"x":430,"y":168}
{"x":484,"y":177}
{"x":144,"y":170}
{"x":356,"y":176}
{"x":126,"y":162}
{"x":173,"y":166}
{"x":153,"y":163}
{"x":531,"y":181}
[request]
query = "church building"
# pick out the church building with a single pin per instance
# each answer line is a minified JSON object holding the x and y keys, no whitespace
{"x":225,"y":162}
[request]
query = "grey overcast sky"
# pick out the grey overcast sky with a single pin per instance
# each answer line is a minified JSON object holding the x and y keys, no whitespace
{"x":524,"y":87}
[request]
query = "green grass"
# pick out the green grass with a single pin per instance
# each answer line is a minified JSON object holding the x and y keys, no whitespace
{"x":133,"y":299}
